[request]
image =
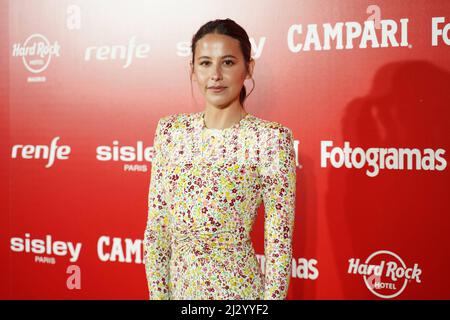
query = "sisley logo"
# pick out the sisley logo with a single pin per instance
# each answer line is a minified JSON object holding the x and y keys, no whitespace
{"x":36,"y":53}
{"x":328,"y":36}
{"x":125,"y":153}
{"x":47,"y":246}
{"x":50,"y":153}
{"x":385,"y":274}
{"x":118,"y":52}
{"x":381,"y":158}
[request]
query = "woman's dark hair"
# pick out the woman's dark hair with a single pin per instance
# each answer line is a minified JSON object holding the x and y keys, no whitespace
{"x":230,"y":28}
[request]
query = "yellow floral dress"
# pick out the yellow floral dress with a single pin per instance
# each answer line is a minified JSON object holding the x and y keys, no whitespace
{"x":205,"y":188}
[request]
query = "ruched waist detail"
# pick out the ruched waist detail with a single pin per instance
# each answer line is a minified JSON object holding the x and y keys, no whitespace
{"x":202,"y":242}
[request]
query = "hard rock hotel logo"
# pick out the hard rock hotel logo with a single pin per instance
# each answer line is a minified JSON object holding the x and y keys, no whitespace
{"x":385,"y":274}
{"x":36,"y":53}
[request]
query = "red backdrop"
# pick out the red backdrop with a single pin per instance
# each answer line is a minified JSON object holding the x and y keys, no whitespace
{"x":363,"y":86}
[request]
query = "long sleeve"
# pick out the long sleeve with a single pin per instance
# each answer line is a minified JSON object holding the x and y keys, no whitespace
{"x":157,"y":238}
{"x":277,"y":170}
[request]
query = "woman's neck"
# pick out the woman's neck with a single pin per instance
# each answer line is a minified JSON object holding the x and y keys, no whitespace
{"x":216,"y":118}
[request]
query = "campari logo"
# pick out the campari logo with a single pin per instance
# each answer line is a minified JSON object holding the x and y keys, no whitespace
{"x":385,"y":274}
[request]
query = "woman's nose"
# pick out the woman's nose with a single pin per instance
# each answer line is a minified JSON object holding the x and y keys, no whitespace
{"x":217,"y":73}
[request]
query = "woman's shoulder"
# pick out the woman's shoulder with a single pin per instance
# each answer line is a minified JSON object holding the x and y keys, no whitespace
{"x":178,"y":120}
{"x":270,"y":126}
{"x":185,"y":120}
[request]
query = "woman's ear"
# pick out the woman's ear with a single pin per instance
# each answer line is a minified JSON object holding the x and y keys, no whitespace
{"x":191,"y":68}
{"x":251,"y":66}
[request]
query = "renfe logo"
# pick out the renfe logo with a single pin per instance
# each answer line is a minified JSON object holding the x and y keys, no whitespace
{"x":118,"y":51}
{"x":42,"y":152}
{"x":385,"y":274}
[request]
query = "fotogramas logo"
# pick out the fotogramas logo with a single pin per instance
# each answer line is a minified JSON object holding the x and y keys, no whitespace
{"x":375,"y":159}
{"x":36,"y":53}
{"x":385,"y":274}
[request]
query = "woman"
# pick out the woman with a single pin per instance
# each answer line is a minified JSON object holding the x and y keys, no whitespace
{"x":211,"y":171}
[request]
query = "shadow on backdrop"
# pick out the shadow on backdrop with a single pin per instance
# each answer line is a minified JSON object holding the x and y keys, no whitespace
{"x":403,"y":211}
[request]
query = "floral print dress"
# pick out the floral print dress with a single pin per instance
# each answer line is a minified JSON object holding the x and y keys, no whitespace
{"x":205,"y":188}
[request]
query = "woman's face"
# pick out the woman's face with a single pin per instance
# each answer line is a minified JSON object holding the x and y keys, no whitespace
{"x":219,"y":62}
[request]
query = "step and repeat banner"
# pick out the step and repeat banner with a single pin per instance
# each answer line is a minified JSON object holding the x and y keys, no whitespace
{"x":364,"y":86}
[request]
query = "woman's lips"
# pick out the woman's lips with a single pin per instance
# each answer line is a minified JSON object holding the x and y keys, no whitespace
{"x":217,"y":89}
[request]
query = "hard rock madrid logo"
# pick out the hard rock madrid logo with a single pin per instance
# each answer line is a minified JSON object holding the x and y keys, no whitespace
{"x":36,"y":52}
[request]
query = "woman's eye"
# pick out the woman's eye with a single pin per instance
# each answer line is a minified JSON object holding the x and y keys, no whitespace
{"x":228,"y":62}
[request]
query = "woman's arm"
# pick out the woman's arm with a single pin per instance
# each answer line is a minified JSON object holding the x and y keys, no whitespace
{"x":157,"y":238}
{"x":278,"y":177}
